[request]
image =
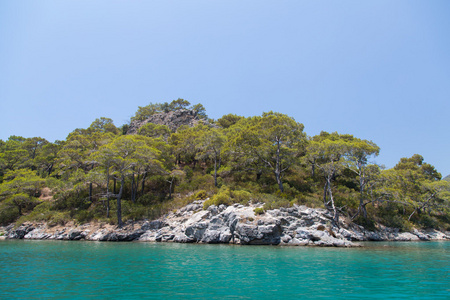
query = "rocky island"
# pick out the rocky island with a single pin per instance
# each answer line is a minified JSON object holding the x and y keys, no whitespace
{"x":174,"y":175}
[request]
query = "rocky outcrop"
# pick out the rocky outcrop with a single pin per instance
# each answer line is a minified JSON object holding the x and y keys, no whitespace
{"x":236,"y":224}
{"x":20,"y":232}
{"x":172,"y":119}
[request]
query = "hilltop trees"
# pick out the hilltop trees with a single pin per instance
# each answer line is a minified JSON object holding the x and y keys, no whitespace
{"x":144,"y":112}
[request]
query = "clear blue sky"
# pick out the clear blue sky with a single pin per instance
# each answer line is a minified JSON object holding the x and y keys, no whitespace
{"x":379,"y":70}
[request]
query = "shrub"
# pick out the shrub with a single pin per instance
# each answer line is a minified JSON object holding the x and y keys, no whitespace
{"x":146,"y":199}
{"x":429,"y":222}
{"x":368,"y":223}
{"x":201,"y":195}
{"x":137,"y":212}
{"x":222,"y":197}
{"x":397,"y":221}
{"x":218,"y":200}
{"x":42,"y":212}
{"x":189,"y":172}
{"x":8,"y":214}
{"x":273,"y":202}
{"x":228,"y":197}
{"x":241,"y":196}
{"x":259,"y":210}
{"x":59,"y":218}
{"x":202,"y":182}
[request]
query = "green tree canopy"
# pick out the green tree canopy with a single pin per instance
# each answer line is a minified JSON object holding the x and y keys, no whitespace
{"x":275,"y":140}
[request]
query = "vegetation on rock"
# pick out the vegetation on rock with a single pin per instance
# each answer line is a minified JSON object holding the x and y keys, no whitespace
{"x":265,"y":159}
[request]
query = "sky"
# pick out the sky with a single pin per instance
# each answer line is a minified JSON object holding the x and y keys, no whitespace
{"x":379,"y":70}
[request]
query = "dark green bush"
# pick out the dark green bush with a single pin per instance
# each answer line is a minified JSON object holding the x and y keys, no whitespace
{"x":427,"y":221}
{"x":8,"y":214}
{"x":367,"y":223}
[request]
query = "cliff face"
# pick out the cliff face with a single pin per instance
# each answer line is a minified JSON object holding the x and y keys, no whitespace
{"x":172,"y":119}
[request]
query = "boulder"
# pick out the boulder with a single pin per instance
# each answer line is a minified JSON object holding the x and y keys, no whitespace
{"x":37,"y":234}
{"x":258,"y":235}
{"x":196,"y":231}
{"x":405,"y":236}
{"x":153,"y":225}
{"x":75,"y":235}
{"x":20,"y":232}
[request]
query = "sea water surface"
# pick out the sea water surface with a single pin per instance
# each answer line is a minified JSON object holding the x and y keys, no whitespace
{"x":93,"y":270}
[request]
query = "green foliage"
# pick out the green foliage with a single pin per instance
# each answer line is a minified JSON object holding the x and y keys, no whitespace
{"x":274,"y":202}
{"x":241,"y":196}
{"x":427,"y":221}
{"x":201,"y":195}
{"x":45,"y":212}
{"x":144,"y":112}
{"x":104,"y":125}
{"x":228,"y":120}
{"x":273,"y":142}
{"x":155,"y":131}
{"x":259,"y":210}
{"x":202,"y":182}
{"x":200,"y":110}
{"x":266,"y":159}
{"x":8,"y":214}
{"x":224,"y":196}
{"x":368,"y":224}
{"x":59,"y":218}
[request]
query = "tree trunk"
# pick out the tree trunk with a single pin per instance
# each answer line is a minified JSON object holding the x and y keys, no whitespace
{"x":335,"y":211}
{"x":50,"y":169}
{"x":278,"y":168}
{"x":119,"y":206}
{"x":215,"y":170}
{"x":170,"y":188}
{"x":279,"y":181}
{"x":133,"y":189}
{"x":362,"y":207}
{"x":90,"y":192}
{"x":19,"y":207}
{"x":143,"y":183}
{"x":107,"y":193}
{"x":325,"y":188}
{"x":258,"y":175}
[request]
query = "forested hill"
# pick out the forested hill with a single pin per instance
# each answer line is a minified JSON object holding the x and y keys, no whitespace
{"x":171,"y":154}
{"x":447,"y":178}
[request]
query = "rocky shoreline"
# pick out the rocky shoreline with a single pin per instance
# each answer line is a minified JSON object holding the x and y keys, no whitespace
{"x":237,"y":224}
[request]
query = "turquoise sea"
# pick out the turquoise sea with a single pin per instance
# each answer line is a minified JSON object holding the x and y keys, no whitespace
{"x":95,"y":270}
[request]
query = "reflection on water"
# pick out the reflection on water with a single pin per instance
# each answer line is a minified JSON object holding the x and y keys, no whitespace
{"x":53,"y":269}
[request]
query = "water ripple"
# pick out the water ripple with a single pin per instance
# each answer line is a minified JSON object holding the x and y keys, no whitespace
{"x":55,"y":270}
